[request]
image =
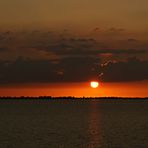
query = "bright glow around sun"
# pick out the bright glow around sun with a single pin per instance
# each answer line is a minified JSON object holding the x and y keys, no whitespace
{"x":94,"y":84}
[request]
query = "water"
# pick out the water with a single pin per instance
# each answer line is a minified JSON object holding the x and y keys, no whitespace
{"x":74,"y":124}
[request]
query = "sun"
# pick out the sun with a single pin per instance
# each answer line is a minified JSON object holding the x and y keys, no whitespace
{"x":94,"y":84}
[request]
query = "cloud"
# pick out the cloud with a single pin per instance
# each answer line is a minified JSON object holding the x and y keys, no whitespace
{"x":79,"y":68}
{"x":89,"y":52}
{"x":3,"y":49}
{"x":49,"y":43}
{"x":90,"y":46}
{"x":72,"y":69}
{"x":132,"y":40}
{"x":68,"y":69}
{"x":24,"y":70}
{"x":116,"y":30}
{"x":131,"y":70}
{"x":40,"y":56}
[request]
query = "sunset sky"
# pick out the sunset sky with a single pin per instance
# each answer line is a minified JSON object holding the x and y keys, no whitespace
{"x":131,"y":15}
{"x":73,"y":41}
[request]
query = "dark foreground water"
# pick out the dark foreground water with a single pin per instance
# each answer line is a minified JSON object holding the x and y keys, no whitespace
{"x":74,"y":124}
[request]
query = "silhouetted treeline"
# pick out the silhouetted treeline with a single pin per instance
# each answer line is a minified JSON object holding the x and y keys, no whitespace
{"x":67,"y":98}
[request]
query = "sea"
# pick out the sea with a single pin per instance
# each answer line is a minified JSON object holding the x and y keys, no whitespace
{"x":74,"y":123}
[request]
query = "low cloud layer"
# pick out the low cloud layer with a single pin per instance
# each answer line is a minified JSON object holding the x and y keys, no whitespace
{"x":72,"y":70}
{"x":45,"y":56}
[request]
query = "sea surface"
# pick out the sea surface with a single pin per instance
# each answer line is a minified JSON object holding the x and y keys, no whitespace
{"x":74,"y":123}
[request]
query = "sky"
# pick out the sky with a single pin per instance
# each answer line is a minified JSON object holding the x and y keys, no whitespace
{"x":129,"y":14}
{"x":73,"y":41}
{"x":128,"y":89}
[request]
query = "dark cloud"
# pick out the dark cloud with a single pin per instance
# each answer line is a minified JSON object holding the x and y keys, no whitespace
{"x":39,"y":56}
{"x":95,"y":52}
{"x":131,"y":70}
{"x":132,"y":40}
{"x":72,"y":69}
{"x":80,"y":68}
{"x":68,"y":69}
{"x":28,"y":42}
{"x":3,"y":49}
{"x":87,"y":46}
{"x":116,"y":30}
{"x":22,"y":70}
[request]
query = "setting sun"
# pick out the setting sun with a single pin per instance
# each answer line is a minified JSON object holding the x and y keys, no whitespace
{"x":94,"y":84}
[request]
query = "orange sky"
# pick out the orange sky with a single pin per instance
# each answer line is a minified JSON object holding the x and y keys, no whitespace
{"x":130,"y":89}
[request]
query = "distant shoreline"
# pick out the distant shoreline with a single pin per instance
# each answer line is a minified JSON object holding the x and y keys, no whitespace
{"x":70,"y":98}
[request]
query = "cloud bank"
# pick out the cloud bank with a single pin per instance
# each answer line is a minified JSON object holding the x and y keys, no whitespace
{"x":48,"y":56}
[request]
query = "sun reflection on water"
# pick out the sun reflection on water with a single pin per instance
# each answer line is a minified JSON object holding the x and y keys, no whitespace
{"x":95,"y":126}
